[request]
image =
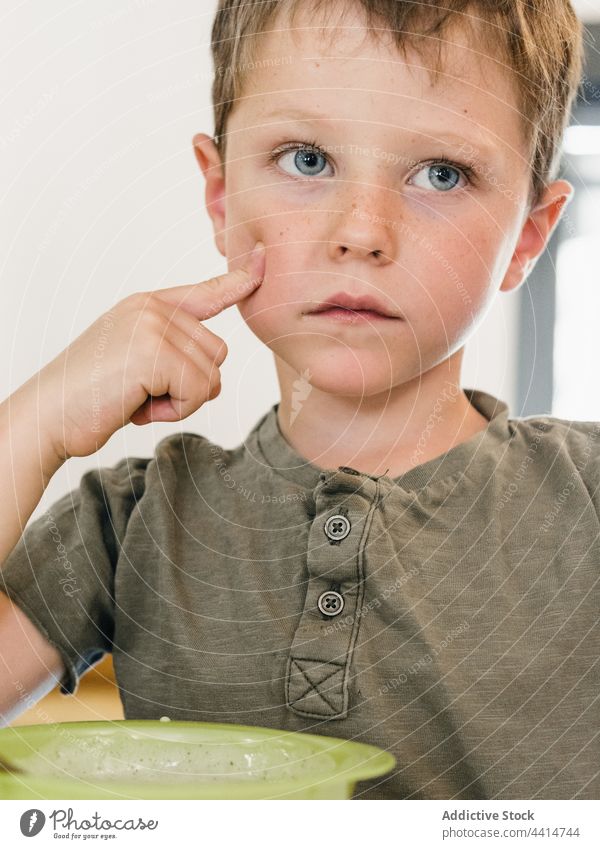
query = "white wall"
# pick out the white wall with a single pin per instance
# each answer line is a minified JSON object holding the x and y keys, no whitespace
{"x":101,"y":196}
{"x":588,"y":10}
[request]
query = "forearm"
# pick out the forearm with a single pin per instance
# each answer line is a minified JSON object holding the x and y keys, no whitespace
{"x":28,"y":461}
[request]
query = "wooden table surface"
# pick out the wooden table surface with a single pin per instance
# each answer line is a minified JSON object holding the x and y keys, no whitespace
{"x":97,"y":697}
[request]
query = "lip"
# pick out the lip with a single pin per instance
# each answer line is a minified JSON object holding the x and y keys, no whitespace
{"x":345,"y":316}
{"x":353,"y":307}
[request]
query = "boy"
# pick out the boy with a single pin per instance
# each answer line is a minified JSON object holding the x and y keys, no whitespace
{"x":376,"y":560}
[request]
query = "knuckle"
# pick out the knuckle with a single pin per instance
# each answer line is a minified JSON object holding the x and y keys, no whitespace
{"x":135,"y":300}
{"x":222,"y":352}
{"x":151,"y":302}
{"x":208,"y":334}
{"x":212,"y":383}
{"x":215,"y":389}
{"x":240,"y":272}
{"x":214,"y":377}
{"x":154,"y":323}
{"x":213,"y":283}
{"x":151,"y":359}
{"x":220,"y":280}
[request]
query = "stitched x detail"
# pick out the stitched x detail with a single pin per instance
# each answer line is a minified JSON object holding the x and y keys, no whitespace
{"x":319,"y":674}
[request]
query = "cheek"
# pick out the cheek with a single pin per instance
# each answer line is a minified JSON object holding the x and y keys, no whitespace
{"x":453,"y":274}
{"x":285,"y":291}
{"x":288,"y":284}
{"x":248,"y":198}
{"x":272,"y":213}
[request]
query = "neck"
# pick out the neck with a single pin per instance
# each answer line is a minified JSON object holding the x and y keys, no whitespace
{"x":381,"y":434}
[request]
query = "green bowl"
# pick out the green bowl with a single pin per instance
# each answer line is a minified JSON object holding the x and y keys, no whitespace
{"x":148,"y":759}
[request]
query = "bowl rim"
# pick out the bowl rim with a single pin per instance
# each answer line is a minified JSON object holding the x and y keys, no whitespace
{"x":374,"y":762}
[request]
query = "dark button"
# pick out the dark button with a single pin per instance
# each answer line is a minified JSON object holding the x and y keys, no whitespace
{"x":348,"y":470}
{"x":337,"y":527}
{"x":330,"y":603}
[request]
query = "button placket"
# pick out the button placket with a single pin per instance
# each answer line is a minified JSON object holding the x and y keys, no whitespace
{"x":318,"y":669}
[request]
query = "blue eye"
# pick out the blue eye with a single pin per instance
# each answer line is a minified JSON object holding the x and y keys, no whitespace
{"x":442,"y":175}
{"x":306,"y":158}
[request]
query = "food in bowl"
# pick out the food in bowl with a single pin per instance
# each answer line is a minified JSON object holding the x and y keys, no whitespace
{"x":149,"y":759}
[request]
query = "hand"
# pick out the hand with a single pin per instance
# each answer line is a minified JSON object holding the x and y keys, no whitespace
{"x":147,"y":359}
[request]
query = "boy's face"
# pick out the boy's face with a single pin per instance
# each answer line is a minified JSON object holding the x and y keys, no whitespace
{"x":374,"y":212}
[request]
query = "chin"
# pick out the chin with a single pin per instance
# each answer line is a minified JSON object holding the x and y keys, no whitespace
{"x":347,"y":375}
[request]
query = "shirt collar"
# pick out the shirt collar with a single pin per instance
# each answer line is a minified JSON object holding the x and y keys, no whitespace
{"x":271,"y":448}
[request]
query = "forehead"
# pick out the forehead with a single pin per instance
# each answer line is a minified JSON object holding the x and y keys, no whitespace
{"x":347,"y":74}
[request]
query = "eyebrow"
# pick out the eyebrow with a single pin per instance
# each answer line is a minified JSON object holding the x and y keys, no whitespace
{"x":480,"y":144}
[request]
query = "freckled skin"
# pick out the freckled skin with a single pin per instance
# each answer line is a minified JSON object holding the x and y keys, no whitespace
{"x":374,"y":225}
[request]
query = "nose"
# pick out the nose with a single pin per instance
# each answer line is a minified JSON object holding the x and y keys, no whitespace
{"x":363,"y":230}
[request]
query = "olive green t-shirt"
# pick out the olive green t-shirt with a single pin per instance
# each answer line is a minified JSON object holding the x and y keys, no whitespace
{"x":450,"y":615}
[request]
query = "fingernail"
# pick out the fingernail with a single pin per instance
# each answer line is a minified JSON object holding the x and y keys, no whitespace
{"x":257,"y":249}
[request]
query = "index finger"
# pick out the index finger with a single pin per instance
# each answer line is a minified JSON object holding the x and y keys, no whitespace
{"x":210,"y":297}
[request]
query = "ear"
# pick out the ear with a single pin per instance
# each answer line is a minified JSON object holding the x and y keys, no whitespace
{"x":536,"y":232}
{"x":209,"y":160}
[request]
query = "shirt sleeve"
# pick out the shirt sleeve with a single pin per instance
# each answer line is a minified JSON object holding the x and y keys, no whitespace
{"x":61,"y":572}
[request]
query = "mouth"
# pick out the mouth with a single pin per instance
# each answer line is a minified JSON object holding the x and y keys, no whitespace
{"x":353,"y":308}
{"x":348,"y":316}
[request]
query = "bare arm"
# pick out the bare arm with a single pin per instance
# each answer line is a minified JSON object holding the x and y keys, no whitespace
{"x":29,"y":665}
{"x":28,"y":461}
{"x":50,"y":418}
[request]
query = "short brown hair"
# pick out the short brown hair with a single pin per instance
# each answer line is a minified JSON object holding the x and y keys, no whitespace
{"x":540,"y":41}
